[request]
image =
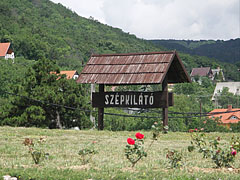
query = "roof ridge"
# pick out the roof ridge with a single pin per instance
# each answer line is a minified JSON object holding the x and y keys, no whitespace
{"x":134,"y":54}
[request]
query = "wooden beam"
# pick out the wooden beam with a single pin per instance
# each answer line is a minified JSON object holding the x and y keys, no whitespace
{"x":165,"y":110}
{"x":101,"y":111}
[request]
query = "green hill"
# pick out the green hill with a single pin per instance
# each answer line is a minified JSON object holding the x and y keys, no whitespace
{"x":44,"y":29}
{"x":225,"y":51}
{"x":41,"y":28}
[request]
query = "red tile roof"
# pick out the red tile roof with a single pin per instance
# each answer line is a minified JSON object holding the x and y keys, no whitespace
{"x":227,"y":116}
{"x":134,"y":68}
{"x":4,"y":48}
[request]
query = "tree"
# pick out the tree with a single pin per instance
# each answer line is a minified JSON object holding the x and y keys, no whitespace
{"x":186,"y":88}
{"x":46,"y":99}
{"x":184,"y":121}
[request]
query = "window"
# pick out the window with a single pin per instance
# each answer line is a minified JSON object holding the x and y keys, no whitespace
{"x":233,"y":117}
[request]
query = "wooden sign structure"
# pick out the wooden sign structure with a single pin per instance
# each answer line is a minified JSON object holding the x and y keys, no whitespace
{"x":132,"y":99}
{"x":133,"y":69}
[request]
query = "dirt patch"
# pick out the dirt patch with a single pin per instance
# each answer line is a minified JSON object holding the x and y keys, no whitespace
{"x":212,"y":170}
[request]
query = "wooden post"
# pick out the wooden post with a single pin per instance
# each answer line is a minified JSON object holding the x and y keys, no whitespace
{"x":92,"y":118}
{"x":100,"y":111}
{"x":165,"y":110}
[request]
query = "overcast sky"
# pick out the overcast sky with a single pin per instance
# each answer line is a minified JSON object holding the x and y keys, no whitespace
{"x":165,"y":19}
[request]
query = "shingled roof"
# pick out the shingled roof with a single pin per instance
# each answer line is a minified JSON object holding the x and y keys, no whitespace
{"x":202,"y":71}
{"x":134,"y":68}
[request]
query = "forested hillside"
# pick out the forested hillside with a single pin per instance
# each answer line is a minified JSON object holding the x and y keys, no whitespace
{"x":40,"y":28}
{"x":225,"y":51}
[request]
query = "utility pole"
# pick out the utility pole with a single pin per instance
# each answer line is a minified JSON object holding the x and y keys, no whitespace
{"x":200,"y":108}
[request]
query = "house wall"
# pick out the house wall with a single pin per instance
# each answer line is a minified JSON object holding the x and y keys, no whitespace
{"x":10,"y":56}
{"x":75,"y":76}
{"x":234,"y":87}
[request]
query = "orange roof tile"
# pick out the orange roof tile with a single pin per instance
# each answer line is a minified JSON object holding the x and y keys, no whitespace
{"x":4,"y":48}
{"x":69,"y":74}
{"x":225,"y":117}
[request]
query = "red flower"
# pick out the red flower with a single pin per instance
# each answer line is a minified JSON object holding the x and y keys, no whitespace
{"x":234,"y":152}
{"x":139,"y":135}
{"x":191,"y":130}
{"x":130,"y":141}
{"x":196,"y":129}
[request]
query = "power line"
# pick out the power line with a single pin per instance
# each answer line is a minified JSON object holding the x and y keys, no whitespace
{"x":124,"y":115}
{"x":48,"y":103}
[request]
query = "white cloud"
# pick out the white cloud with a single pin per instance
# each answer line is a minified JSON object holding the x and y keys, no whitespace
{"x":85,"y":8}
{"x":165,"y":19}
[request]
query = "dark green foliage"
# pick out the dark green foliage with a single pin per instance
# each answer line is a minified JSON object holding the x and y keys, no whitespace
{"x":212,"y":125}
{"x":44,"y":99}
{"x":124,"y":122}
{"x":235,"y":127}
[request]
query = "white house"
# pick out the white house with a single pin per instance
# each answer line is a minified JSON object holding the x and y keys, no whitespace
{"x":6,"y":51}
{"x":234,"y":87}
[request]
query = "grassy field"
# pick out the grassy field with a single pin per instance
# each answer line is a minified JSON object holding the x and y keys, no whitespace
{"x":110,"y":162}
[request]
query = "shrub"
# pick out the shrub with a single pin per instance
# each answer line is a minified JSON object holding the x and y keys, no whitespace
{"x":134,"y":150}
{"x":36,"y":149}
{"x":222,"y":154}
{"x":175,"y":158}
{"x":235,"y":143}
{"x":87,"y":152}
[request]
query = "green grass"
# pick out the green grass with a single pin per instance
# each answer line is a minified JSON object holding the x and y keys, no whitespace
{"x":110,"y":162}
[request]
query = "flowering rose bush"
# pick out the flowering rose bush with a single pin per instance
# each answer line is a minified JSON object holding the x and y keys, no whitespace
{"x":198,"y":141}
{"x":222,"y":154}
{"x":36,"y":149}
{"x":235,"y":143}
{"x":130,"y":141}
{"x":139,"y":135}
{"x":156,"y":129}
{"x":175,"y":158}
{"x":234,"y":152}
{"x":134,"y":150}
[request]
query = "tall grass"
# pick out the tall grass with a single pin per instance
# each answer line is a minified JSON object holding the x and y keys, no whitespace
{"x":110,"y":162}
